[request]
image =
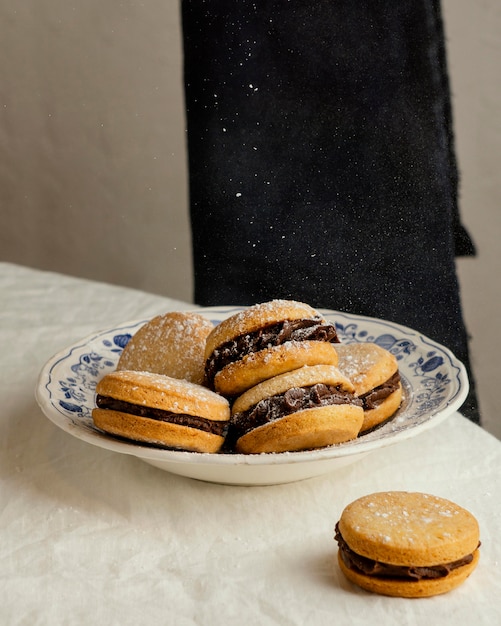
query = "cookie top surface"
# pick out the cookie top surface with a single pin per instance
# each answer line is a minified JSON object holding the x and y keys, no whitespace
{"x":256,"y":317}
{"x":172,"y":344}
{"x":305,"y":376}
{"x":164,"y":392}
{"x":409,"y":528}
{"x":367,"y":365}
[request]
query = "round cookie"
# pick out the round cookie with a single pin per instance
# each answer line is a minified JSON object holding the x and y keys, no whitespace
{"x":266,"y":340}
{"x":158,"y":409}
{"x":172,"y":344}
{"x":375,"y":376}
{"x":407,"y":544}
{"x":257,"y":367}
{"x":311,"y":407}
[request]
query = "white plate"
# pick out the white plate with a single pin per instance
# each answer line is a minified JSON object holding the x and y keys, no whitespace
{"x":435,"y":385}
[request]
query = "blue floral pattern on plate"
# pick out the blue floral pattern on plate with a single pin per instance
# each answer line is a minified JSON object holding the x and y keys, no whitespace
{"x":434,"y":383}
{"x":87,"y":371}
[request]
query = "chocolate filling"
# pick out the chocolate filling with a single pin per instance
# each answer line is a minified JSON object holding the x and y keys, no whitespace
{"x":275,"y":407}
{"x":267,"y":337}
{"x":373,"y":398}
{"x":201,"y":423}
{"x":363,"y":565}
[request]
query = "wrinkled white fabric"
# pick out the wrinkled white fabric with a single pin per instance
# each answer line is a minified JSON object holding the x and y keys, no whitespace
{"x":93,"y":535}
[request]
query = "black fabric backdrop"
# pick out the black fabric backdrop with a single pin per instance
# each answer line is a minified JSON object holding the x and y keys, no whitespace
{"x":321,"y":160}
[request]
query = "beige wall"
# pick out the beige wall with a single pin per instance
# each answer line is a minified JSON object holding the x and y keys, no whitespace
{"x":474,"y":50}
{"x":93,"y":164}
{"x":92,"y":175}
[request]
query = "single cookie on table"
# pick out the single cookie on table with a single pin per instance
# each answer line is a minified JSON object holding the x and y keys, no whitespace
{"x":310,"y":407}
{"x":172,"y":344}
{"x":407,"y":544}
{"x":265,"y":340}
{"x":376,"y":378}
{"x":157,"y":409}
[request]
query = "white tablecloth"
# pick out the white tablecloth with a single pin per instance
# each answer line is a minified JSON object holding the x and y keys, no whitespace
{"x":93,"y":536}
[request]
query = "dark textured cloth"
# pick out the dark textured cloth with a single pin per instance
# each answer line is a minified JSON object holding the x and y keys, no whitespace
{"x":321,"y":160}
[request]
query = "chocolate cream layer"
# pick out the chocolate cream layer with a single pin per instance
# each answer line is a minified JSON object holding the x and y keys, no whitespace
{"x":366,"y":566}
{"x":373,"y":398}
{"x":293,"y":400}
{"x":313,"y":329}
{"x":201,"y":423}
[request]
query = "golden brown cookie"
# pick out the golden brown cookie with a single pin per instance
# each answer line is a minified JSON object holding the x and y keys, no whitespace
{"x":265,"y":340}
{"x":172,"y":344}
{"x":375,"y":376}
{"x":407,"y":544}
{"x":158,"y":409}
{"x":310,"y":407}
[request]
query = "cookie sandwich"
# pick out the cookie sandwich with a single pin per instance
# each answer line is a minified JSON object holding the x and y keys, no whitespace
{"x":407,"y":544}
{"x":264,"y":341}
{"x":172,"y":344}
{"x":157,"y":409}
{"x":310,"y":407}
{"x":376,"y":378}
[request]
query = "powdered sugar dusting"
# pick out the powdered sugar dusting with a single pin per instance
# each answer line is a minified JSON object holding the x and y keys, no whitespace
{"x":402,"y":517}
{"x":355,"y":366}
{"x":171,"y":344}
{"x":262,"y":312}
{"x":139,"y":381}
{"x":292,"y":347}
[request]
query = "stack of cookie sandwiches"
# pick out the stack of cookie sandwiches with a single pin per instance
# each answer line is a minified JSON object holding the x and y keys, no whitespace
{"x":277,"y":364}
{"x":156,"y":396}
{"x":274,"y":377}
